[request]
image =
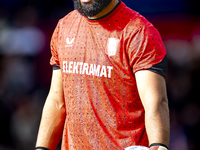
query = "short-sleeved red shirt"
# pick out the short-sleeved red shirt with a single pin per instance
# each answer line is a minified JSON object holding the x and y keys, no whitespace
{"x":98,"y":59}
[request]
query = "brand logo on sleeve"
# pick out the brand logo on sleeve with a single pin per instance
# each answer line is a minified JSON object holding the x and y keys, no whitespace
{"x":112,"y":46}
{"x":69,"y":42}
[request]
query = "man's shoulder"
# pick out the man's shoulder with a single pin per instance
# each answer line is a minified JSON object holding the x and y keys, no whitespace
{"x":71,"y":16}
{"x":136,"y":20}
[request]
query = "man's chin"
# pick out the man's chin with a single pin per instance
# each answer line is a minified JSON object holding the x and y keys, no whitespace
{"x":90,"y":8}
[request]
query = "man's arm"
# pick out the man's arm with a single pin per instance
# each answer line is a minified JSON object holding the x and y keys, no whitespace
{"x":152,"y":90}
{"x":53,"y":116}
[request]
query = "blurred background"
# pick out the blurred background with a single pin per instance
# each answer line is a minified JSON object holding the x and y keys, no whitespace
{"x":26,"y":27}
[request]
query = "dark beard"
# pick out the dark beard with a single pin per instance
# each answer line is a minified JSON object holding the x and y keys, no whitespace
{"x":91,"y":9}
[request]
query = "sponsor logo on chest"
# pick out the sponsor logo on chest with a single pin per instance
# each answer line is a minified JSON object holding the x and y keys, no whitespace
{"x":87,"y":69}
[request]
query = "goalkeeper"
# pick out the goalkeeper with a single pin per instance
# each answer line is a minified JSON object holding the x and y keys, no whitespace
{"x":108,"y":89}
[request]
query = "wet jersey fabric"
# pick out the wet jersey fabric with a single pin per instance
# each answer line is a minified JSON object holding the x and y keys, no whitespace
{"x":98,"y":60}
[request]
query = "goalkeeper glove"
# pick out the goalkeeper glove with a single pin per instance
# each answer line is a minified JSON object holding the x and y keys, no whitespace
{"x":158,"y":146}
{"x":136,"y":148}
{"x":154,"y":146}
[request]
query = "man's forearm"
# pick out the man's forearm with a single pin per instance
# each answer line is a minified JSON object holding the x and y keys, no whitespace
{"x":157,"y":123}
{"x":51,"y":126}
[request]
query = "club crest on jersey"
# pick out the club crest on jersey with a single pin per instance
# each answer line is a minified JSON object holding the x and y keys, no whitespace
{"x":69,"y":42}
{"x":112,"y":46}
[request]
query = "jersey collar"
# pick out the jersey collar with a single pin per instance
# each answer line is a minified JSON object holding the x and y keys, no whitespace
{"x":110,"y":14}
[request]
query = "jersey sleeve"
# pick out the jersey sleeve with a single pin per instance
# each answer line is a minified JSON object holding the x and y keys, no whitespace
{"x":146,"y":50}
{"x":54,"y":61}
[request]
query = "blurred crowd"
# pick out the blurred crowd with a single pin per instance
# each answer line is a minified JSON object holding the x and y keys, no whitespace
{"x":181,"y":36}
{"x":26,"y":27}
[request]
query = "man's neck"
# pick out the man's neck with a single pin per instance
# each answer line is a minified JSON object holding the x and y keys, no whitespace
{"x":106,"y":10}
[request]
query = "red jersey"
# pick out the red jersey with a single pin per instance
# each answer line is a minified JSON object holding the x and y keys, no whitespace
{"x":98,"y":59}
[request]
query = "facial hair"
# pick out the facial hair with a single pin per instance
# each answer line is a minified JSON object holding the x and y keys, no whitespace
{"x":91,"y":9}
